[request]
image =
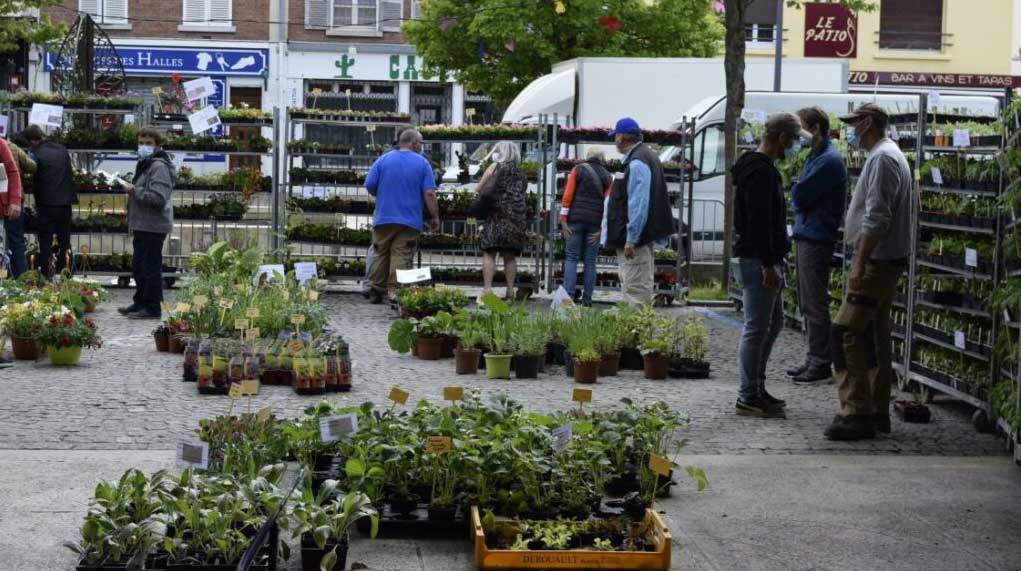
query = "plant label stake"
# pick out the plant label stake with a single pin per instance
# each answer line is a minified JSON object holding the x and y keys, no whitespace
{"x":164,"y":306}
{"x":193,"y":454}
{"x":453,"y":394}
{"x":659,"y":465}
{"x":313,"y":295}
{"x":241,"y":324}
{"x":438,"y":445}
{"x":582,"y":396}
{"x":200,"y":301}
{"x":252,"y":313}
{"x":333,"y":428}
{"x":562,"y":437}
{"x":297,"y":320}
{"x":182,"y":308}
{"x":398,"y":395}
{"x":959,"y":340}
{"x":264,"y":414}
{"x":236,"y":391}
{"x":252,"y":334}
{"x":971,"y":257}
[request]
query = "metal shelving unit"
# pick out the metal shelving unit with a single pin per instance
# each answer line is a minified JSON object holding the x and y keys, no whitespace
{"x":1010,"y":182}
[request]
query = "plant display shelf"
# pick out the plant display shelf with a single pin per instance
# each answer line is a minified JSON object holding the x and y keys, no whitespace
{"x":83,"y":110}
{"x":165,"y":119}
{"x":961,"y":191}
{"x":950,"y":391}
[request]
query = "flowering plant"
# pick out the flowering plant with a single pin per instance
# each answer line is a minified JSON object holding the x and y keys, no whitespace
{"x":63,"y":329}
{"x":23,"y":320}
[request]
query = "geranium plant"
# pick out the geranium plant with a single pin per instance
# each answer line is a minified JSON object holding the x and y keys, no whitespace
{"x":62,"y":329}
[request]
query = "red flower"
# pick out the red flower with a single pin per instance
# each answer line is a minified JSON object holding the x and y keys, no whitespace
{"x":68,"y":319}
{"x":175,"y":77}
{"x":90,"y":324}
{"x":53,"y":320}
{"x":611,"y":24}
{"x":64,"y":342}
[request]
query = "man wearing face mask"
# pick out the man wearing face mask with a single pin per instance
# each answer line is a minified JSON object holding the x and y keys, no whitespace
{"x":150,"y":219}
{"x":760,"y":244}
{"x":878,"y":226}
{"x":818,"y":201}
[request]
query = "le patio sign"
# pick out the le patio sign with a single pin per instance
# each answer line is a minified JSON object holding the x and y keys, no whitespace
{"x":831,"y":30}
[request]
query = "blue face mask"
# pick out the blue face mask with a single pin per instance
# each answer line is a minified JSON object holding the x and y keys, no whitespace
{"x":145,"y":151}
{"x":852,"y":139}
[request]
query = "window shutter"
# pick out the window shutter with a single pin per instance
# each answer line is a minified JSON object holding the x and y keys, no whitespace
{"x":415,"y":11}
{"x":317,"y":14}
{"x":89,"y":7}
{"x":220,"y":12}
{"x":194,"y":12}
{"x":392,"y":14}
{"x":116,"y":11}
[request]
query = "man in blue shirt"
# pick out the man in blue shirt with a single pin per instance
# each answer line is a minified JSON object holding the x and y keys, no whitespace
{"x":400,"y":181}
{"x":818,"y":198}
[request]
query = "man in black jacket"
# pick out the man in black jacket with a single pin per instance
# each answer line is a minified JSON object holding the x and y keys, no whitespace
{"x":54,"y":194}
{"x":638,"y":213}
{"x":760,"y":244}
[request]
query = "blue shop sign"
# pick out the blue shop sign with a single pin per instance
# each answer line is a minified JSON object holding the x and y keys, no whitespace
{"x":145,"y":60}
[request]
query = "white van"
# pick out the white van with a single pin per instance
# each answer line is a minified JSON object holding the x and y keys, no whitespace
{"x":709,"y":160}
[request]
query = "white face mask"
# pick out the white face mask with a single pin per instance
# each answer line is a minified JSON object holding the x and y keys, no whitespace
{"x":145,"y":151}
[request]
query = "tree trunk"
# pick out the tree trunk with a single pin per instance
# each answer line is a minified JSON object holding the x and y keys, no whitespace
{"x":733,"y":64}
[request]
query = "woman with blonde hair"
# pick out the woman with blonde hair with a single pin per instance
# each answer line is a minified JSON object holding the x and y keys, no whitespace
{"x":504,"y":230}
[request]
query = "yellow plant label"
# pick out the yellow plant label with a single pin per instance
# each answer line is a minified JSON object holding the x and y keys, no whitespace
{"x":227,"y":303}
{"x":453,"y":393}
{"x":157,"y":90}
{"x":295,"y":346}
{"x":399,"y":396}
{"x":252,"y":313}
{"x":253,"y":333}
{"x":250,"y":387}
{"x":317,"y":90}
{"x":182,"y":308}
{"x":240,"y":288}
{"x":582,"y":395}
{"x":236,"y":391}
{"x":200,"y":301}
{"x":659,"y":465}
{"x":218,"y":290}
{"x":298,"y":319}
{"x":240,"y":324}
{"x":165,"y":307}
{"x":313,"y":295}
{"x":438,"y":444}
{"x":264,"y":414}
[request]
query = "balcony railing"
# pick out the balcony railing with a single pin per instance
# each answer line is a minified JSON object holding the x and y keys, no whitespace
{"x":913,"y":40}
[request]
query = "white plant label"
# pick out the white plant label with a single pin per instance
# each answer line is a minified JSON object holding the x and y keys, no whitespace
{"x":193,"y":454}
{"x":894,"y":134}
{"x":204,"y":119}
{"x":959,"y":340}
{"x":790,"y":231}
{"x":271,"y":271}
{"x":414,"y":276}
{"x":333,"y":428}
{"x":971,"y":257}
{"x":3,"y":126}
{"x":937,"y":176}
{"x":962,"y":138}
{"x":754,"y":115}
{"x":198,"y":88}
{"x":562,"y":437}
{"x":560,"y":299}
{"x":1006,"y":314}
{"x":46,"y":115}
{"x":304,"y":271}
{"x":748,"y":137}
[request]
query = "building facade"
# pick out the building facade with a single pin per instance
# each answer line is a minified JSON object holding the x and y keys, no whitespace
{"x":933,"y":44}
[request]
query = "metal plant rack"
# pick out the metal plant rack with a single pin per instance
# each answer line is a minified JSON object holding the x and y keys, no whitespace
{"x":87,"y":62}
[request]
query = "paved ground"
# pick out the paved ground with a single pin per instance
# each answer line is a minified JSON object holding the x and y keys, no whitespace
{"x":127,"y":396}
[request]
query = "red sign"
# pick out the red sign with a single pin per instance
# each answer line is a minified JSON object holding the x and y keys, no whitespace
{"x":917,"y":79}
{"x":831,"y":30}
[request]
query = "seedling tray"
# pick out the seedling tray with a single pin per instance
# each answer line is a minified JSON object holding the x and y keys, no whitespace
{"x":417,"y":524}
{"x":506,"y":560}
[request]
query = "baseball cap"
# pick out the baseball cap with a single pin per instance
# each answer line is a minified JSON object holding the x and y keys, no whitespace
{"x":867,"y":111}
{"x":628,"y":126}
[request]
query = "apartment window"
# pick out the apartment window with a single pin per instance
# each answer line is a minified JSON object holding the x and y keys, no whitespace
{"x":106,"y":11}
{"x":354,"y":15}
{"x":206,"y":14}
{"x":760,"y":21}
{"x":911,"y":25}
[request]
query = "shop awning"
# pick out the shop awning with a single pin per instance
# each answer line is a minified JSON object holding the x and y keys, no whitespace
{"x":553,"y":93}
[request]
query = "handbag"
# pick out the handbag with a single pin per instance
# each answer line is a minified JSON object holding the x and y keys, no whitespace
{"x":485,"y":203}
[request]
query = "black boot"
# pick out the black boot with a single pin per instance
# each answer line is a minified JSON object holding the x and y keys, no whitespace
{"x":814,"y":374}
{"x":851,"y":427}
{"x":797,"y":370}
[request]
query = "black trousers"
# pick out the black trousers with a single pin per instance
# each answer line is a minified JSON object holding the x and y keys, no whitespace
{"x":54,"y":222}
{"x":146,"y":268}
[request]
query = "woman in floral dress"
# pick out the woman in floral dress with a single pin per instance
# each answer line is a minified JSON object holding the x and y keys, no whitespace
{"x":505,"y":230}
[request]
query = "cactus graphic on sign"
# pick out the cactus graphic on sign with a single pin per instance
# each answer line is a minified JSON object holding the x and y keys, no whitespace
{"x":344,"y":64}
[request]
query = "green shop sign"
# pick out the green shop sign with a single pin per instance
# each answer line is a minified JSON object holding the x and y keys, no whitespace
{"x":394,"y":67}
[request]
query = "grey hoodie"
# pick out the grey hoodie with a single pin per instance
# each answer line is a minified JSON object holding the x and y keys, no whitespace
{"x":150,"y":208}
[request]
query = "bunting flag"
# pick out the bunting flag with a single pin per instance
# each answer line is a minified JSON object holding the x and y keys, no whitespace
{"x":447,"y":23}
{"x":510,"y":45}
{"x":481,"y":51}
{"x":611,"y":24}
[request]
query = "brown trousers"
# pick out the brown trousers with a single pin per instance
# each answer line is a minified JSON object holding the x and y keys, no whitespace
{"x":862,"y":343}
{"x":393,"y":245}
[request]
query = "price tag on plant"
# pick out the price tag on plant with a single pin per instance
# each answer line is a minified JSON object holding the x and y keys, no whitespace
{"x":399,"y":396}
{"x":250,"y":387}
{"x":438,"y":444}
{"x":252,"y":313}
{"x":204,"y":119}
{"x":193,"y":454}
{"x":253,"y":334}
{"x":333,"y":428}
{"x":562,"y":437}
{"x":241,"y":324}
{"x":582,"y":395}
{"x":937,"y":176}
{"x":295,"y":346}
{"x":157,"y":90}
{"x":236,"y":391}
{"x":200,"y":301}
{"x":46,"y":115}
{"x":959,"y":340}
{"x":962,"y":138}
{"x":313,"y":295}
{"x":659,"y":465}
{"x":971,"y":257}
{"x":453,"y":393}
{"x":264,"y":414}
{"x":182,"y":308}
{"x":297,"y":319}
{"x":415,"y":276}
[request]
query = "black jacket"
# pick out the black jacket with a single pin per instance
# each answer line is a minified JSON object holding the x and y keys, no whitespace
{"x":591,"y":179}
{"x":53,"y":183}
{"x":760,"y":213}
{"x":660,"y":222}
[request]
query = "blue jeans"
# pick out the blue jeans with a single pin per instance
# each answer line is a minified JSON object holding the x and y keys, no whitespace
{"x":15,"y":230}
{"x":578,"y":248}
{"x":763,"y":321}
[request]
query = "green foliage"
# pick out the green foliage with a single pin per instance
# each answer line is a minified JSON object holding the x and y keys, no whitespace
{"x":14,"y":27}
{"x":541,"y":37}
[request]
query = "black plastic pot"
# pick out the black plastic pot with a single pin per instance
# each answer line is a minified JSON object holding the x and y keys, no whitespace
{"x":617,"y":487}
{"x":403,"y":506}
{"x":568,"y":363}
{"x":442,"y":513}
{"x":527,"y":366}
{"x":556,"y":353}
{"x":311,"y":555}
{"x":631,"y":359}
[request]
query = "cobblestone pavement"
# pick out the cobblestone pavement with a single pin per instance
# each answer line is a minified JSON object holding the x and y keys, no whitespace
{"x":128,"y":396}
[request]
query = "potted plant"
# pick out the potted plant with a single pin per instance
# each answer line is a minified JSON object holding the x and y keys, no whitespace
{"x":467,"y":352}
{"x":162,"y":337}
{"x":657,"y":344}
{"x":22,"y":322}
{"x":64,"y":337}
{"x":496,"y":324}
{"x":429,"y":336}
{"x":691,"y":363}
{"x":529,"y":344}
{"x":444,"y":488}
{"x":580,"y":334}
{"x":323,"y":520}
{"x":609,"y":336}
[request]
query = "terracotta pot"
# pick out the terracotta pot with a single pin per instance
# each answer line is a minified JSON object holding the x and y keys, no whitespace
{"x":586,"y":371}
{"x":90,"y":306}
{"x":609,"y":365}
{"x":25,"y":349}
{"x":429,"y":348}
{"x":162,"y":341}
{"x":177,"y":344}
{"x":656,"y":366}
{"x":466,"y":361}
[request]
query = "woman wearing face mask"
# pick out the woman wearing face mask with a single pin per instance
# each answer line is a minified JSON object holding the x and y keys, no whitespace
{"x":760,"y":244}
{"x":150,"y":219}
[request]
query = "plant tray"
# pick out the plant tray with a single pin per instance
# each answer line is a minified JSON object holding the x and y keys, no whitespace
{"x":311,"y":391}
{"x":499,"y":559}
{"x":214,"y":390}
{"x":394,"y":525}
